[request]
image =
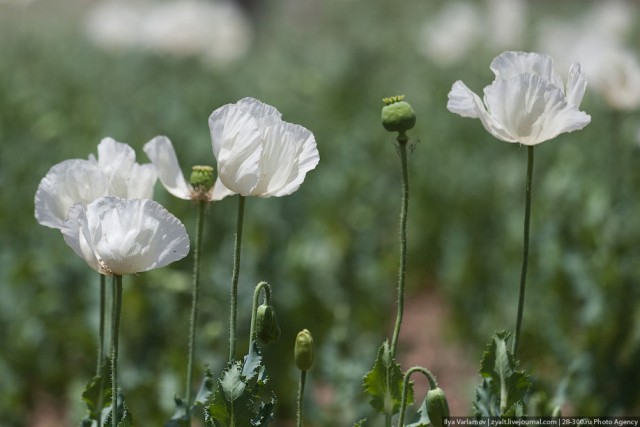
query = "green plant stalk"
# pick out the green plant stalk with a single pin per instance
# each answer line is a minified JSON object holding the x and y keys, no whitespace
{"x":405,"y":386}
{"x":100,"y":361}
{"x":402,"y":149}
{"x":254,"y":309}
{"x":525,"y":249}
{"x":194,"y":300}
{"x":100,"y":358}
{"x":303,"y":379}
{"x":115,"y":328}
{"x":234,"y":280}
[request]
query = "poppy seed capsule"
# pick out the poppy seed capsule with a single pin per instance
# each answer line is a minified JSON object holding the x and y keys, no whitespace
{"x":437,"y":406}
{"x":303,"y":350}
{"x":397,"y":115}
{"x":201,"y":178}
{"x":267,"y":327}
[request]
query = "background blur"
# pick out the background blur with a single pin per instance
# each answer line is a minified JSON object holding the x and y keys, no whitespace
{"x":73,"y":72}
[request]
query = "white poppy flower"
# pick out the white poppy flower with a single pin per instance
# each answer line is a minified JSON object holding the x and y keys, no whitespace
{"x":527,"y":102}
{"x":113,"y":173}
{"x":163,"y":156}
{"x":258,"y":153}
{"x":120,"y":236}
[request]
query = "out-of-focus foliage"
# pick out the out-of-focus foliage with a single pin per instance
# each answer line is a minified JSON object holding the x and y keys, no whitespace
{"x":329,"y":250}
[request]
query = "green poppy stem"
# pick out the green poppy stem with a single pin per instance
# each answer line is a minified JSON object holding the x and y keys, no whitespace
{"x":194,"y":300}
{"x":525,"y":250}
{"x":433,"y":384}
{"x":100,"y":358}
{"x":115,"y":328}
{"x":303,"y":379}
{"x":256,"y":296}
{"x":402,"y":149}
{"x":234,"y":280}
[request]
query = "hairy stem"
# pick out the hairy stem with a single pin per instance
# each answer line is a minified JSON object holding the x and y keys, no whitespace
{"x":405,"y":387}
{"x":303,"y":378}
{"x":194,"y":300}
{"x":234,"y":280}
{"x":115,"y":328}
{"x":525,"y":249}
{"x":254,"y":309}
{"x":402,"y":149}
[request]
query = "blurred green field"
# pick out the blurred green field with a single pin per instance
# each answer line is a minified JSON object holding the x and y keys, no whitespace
{"x":330,"y":249}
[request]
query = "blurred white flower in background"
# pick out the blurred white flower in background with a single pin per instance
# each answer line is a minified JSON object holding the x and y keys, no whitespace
{"x":598,"y":40}
{"x":448,"y":36}
{"x":217,"y":31}
{"x":461,"y":26}
{"x":505,"y":23}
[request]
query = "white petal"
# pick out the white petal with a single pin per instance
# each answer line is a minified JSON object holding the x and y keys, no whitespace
{"x":77,"y":233}
{"x":464,"y":102}
{"x":219,"y":191}
{"x":119,"y":236}
{"x":164,"y":159}
{"x":67,"y":183}
{"x":142,"y":179}
{"x":237,"y":146}
{"x":531,"y":109}
{"x":510,"y":64}
{"x":116,"y":159}
{"x":290,"y":152}
{"x":576,"y":85}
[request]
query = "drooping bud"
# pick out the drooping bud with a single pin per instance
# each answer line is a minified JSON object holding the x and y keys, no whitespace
{"x":437,"y":406}
{"x":267,"y":327}
{"x":201,"y":178}
{"x":397,"y":115}
{"x":303,"y":350}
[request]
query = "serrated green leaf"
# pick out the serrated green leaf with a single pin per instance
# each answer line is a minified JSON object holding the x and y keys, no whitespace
{"x":422,"y":417}
{"x":360,"y":423}
{"x":252,"y":361}
{"x":126,"y":420}
{"x":232,"y":403}
{"x":97,"y":393}
{"x":265,"y":413}
{"x":206,"y":389}
{"x":384,"y":382}
{"x":233,"y":383}
{"x":504,"y":386}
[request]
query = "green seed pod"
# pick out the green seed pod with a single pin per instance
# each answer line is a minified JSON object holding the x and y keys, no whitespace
{"x":437,"y":406}
{"x":267,"y":328}
{"x":397,"y":115}
{"x":303,"y":350}
{"x":201,"y":178}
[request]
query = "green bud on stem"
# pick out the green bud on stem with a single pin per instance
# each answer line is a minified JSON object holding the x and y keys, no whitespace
{"x":202,"y":178}
{"x":267,"y":327}
{"x":303,"y":350}
{"x":397,"y":115}
{"x":437,"y":406}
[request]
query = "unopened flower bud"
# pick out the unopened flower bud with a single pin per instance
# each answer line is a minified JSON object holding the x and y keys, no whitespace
{"x":303,"y":350}
{"x":267,"y":328}
{"x":397,"y":115}
{"x":201,"y":178}
{"x":437,"y":406}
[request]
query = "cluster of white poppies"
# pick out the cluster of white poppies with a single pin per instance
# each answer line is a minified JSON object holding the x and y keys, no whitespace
{"x":103,"y":207}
